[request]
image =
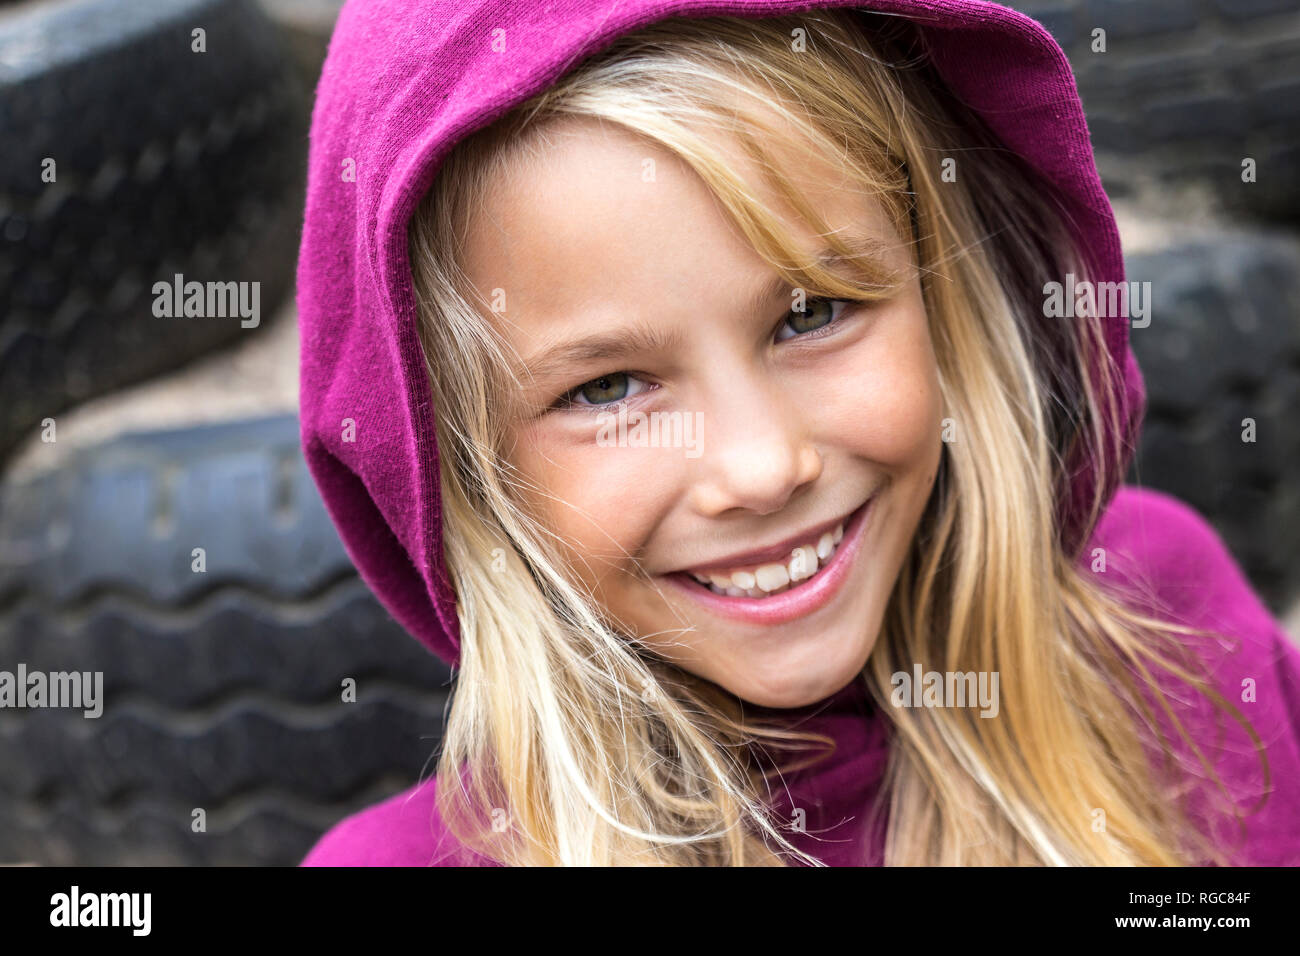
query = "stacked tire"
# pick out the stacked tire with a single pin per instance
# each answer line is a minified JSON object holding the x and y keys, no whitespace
{"x":141,"y":141}
{"x":248,"y":673}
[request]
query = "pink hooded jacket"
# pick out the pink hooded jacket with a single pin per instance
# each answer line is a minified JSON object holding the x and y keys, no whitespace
{"x":403,"y":82}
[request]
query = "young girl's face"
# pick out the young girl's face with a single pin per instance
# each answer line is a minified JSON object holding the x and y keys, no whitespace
{"x":625,"y":284}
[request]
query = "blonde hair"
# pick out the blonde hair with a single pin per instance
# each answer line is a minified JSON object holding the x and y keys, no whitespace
{"x":594,"y":750}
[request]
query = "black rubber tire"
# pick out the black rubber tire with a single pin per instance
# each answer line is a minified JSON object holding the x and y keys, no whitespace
{"x":1223,"y":345}
{"x":168,"y":161}
{"x":222,"y":689}
{"x":1186,"y":90}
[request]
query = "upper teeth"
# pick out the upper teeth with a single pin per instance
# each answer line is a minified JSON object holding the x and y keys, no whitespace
{"x":761,"y":580}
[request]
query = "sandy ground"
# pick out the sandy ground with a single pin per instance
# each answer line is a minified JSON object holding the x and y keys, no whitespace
{"x":253,"y":379}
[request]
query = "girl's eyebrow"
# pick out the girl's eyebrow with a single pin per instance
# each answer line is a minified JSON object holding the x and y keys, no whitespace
{"x":603,"y":346}
{"x":867,"y":259}
{"x":640,"y":337}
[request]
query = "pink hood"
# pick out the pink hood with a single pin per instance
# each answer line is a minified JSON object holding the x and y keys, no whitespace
{"x":403,"y":82}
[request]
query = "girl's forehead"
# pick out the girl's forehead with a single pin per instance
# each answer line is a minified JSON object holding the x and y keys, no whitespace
{"x":600,"y":209}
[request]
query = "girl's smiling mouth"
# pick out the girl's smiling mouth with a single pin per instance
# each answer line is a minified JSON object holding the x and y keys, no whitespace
{"x":779,"y":590}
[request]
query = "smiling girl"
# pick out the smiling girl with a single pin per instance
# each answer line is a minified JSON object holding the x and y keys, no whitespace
{"x":824,"y":236}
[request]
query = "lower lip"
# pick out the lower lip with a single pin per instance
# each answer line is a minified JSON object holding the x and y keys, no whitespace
{"x":814,"y":593}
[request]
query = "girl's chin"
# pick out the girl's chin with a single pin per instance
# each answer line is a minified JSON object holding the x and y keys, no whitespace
{"x":813,"y":689}
{"x":797,"y":670}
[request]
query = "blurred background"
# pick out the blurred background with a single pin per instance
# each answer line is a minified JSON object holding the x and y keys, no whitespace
{"x":171,"y":435}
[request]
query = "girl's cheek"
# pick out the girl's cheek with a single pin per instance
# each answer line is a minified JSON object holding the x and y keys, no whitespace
{"x":882,"y":400}
{"x":603,"y":501}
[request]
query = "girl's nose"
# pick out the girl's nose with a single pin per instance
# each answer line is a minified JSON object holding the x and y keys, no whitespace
{"x":757,"y":451}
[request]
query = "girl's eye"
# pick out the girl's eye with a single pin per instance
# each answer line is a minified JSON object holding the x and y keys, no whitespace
{"x":816,"y":314}
{"x":614,"y":387}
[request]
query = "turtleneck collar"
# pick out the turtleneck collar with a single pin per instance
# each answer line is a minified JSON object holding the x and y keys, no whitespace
{"x":826,"y":807}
